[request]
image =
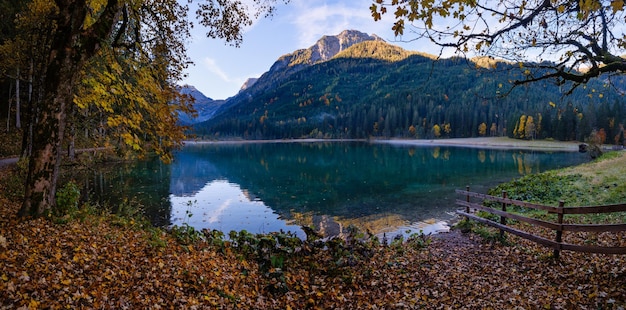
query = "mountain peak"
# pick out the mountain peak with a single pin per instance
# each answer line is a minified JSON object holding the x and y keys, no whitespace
{"x":329,"y":46}
{"x":324,"y":49}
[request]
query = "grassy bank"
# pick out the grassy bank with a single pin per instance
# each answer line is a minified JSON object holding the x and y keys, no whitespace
{"x":600,"y":182}
{"x":90,"y":259}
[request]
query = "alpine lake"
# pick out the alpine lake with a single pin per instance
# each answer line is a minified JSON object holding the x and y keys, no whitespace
{"x":386,"y":189}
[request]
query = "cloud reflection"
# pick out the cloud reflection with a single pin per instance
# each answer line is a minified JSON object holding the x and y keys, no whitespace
{"x":225,"y":206}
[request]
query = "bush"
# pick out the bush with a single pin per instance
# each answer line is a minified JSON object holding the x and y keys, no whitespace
{"x":67,"y":199}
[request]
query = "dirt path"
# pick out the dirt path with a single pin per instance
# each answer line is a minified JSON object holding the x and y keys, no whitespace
{"x":13,"y":160}
{"x":8,"y":161}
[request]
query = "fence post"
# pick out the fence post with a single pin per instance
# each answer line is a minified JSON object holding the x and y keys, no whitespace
{"x":502,"y":218}
{"x":467,"y":199}
{"x":559,"y":231}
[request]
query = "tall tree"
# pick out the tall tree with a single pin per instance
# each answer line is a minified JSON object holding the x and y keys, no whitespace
{"x":572,"y":40}
{"x":152,"y":30}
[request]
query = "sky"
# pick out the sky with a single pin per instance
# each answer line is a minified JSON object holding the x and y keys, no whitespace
{"x":220,"y":70}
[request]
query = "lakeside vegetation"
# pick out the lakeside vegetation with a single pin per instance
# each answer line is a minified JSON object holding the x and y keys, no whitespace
{"x":91,"y":258}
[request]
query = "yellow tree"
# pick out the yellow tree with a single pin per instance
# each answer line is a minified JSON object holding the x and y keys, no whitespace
{"x":529,"y":130}
{"x":447,"y":129}
{"x":521,"y":128}
{"x":569,"y":34}
{"x":482,"y":129}
{"x":145,"y":31}
{"x":412,"y":131}
{"x":436,"y":131}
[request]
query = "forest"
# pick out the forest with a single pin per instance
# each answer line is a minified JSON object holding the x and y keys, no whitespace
{"x":418,"y":97}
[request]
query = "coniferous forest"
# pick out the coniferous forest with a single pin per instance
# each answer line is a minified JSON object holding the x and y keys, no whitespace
{"x":418,"y":97}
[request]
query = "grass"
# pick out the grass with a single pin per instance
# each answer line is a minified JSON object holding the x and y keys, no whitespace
{"x":600,"y":182}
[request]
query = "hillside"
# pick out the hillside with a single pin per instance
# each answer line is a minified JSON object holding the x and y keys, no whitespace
{"x":205,"y":107}
{"x":375,"y":89}
{"x":379,"y":50}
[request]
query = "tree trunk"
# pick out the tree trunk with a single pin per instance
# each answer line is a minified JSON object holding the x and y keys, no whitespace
{"x":9,"y":110}
{"x":72,"y":135}
{"x":71,"y":47}
{"x":18,"y":121}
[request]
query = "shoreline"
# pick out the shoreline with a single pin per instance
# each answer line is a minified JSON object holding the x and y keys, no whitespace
{"x":483,"y":142}
{"x":504,"y":143}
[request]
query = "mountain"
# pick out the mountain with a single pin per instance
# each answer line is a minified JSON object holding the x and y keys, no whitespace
{"x":357,"y":86}
{"x":248,"y":83}
{"x":204,"y":106}
{"x":325,"y":49}
{"x":282,"y":69}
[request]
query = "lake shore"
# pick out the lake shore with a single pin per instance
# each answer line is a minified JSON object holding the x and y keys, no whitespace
{"x":483,"y":142}
{"x":492,"y":143}
{"x":97,"y":260}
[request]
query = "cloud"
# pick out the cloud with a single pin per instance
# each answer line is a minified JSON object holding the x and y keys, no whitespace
{"x":313,"y":20}
{"x":216,"y":214}
{"x":211,"y":65}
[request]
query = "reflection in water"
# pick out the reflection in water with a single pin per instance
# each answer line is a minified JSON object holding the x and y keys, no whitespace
{"x":225,"y":206}
{"x":266,"y":187}
{"x":141,"y":184}
{"x":330,"y":186}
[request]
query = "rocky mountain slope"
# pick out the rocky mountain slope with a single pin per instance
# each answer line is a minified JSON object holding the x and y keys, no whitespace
{"x":355,"y":85}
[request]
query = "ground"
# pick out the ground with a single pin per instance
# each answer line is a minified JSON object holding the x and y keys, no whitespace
{"x":103,"y":261}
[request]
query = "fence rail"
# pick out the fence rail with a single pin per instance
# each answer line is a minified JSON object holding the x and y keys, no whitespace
{"x":559,"y":227}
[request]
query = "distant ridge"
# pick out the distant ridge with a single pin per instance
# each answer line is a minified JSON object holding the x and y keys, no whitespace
{"x":204,"y":106}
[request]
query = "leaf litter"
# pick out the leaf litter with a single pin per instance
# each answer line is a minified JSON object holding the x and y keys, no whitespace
{"x":97,"y":262}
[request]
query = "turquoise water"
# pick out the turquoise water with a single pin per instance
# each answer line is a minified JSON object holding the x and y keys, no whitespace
{"x":265,"y":187}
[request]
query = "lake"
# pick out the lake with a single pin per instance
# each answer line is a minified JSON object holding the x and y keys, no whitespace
{"x":266,"y":187}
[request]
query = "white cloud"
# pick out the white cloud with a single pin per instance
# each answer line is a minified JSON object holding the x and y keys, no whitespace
{"x":212,"y":66}
{"x":313,"y":20}
{"x":215,"y":215}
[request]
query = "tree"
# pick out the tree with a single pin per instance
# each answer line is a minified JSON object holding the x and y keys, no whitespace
{"x":22,"y":49}
{"x":520,"y":129}
{"x":436,"y":131}
{"x":482,"y":129}
{"x":529,"y":131}
{"x":412,"y":131}
{"x":150,"y":32}
{"x":573,"y":40}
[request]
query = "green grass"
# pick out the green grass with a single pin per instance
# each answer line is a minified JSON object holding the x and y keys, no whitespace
{"x":600,"y":182}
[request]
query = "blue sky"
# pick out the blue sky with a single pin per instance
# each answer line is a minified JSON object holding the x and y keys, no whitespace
{"x":221,"y":69}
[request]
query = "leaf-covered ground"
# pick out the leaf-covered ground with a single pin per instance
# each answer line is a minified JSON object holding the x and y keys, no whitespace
{"x":106,"y":262}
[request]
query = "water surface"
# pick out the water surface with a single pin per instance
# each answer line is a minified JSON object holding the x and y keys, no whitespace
{"x":265,"y":187}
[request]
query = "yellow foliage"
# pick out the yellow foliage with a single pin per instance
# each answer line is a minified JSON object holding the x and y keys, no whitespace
{"x":436,"y":131}
{"x":134,"y":102}
{"x":482,"y":129}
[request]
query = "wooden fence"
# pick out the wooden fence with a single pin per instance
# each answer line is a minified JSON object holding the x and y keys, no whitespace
{"x":559,"y":227}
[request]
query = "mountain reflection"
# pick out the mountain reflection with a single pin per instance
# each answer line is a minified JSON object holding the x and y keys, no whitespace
{"x":333,"y":185}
